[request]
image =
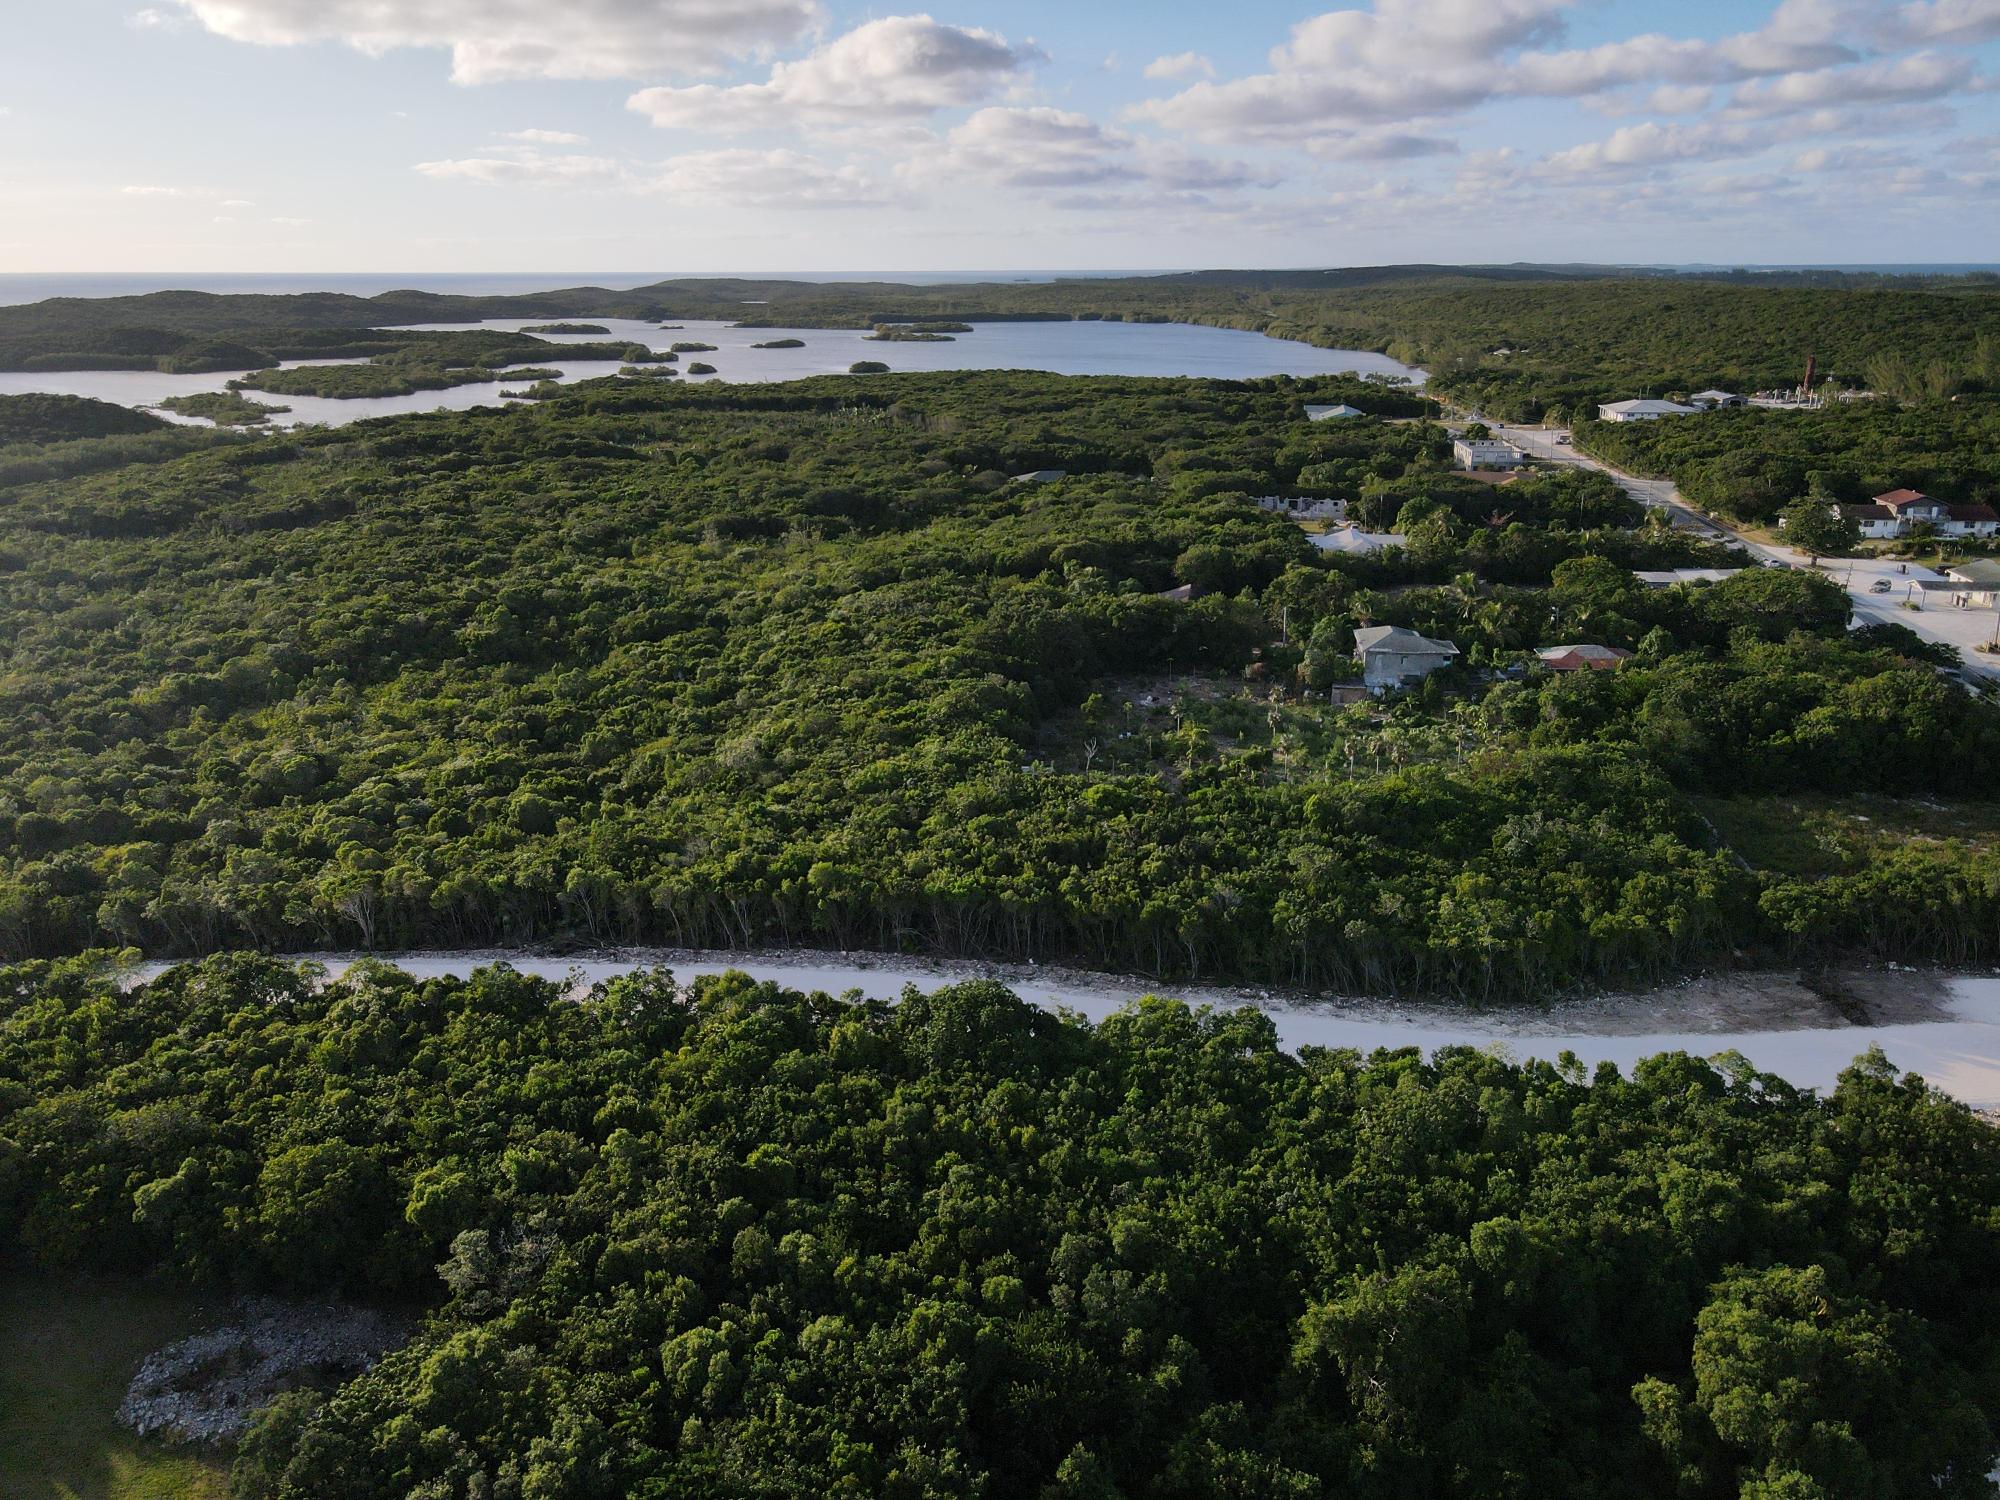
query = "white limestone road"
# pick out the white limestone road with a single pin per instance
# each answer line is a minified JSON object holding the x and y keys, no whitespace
{"x":1944,"y":1027}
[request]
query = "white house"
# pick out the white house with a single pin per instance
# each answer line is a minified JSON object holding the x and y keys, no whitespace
{"x":1642,"y":411}
{"x":1900,"y":512}
{"x":1711,"y":400}
{"x":1392,"y":657}
{"x":1486,"y":453}
{"x":1331,"y":413}
{"x":1355,"y":542}
{"x":1304,"y":508}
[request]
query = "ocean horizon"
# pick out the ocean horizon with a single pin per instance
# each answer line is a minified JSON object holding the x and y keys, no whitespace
{"x":18,"y":287}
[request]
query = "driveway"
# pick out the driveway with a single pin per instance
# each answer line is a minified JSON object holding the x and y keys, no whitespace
{"x":1935,"y":619}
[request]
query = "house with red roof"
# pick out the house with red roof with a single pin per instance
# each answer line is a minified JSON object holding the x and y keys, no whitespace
{"x":1901,"y":512}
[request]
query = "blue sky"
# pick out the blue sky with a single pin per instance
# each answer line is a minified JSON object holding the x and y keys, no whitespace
{"x":773,"y":135}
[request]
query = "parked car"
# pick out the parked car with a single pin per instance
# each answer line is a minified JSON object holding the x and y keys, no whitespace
{"x":1777,"y":563}
{"x":1880,"y":586}
{"x":1562,"y":439}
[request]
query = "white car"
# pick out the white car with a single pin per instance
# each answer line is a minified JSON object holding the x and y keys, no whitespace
{"x":1881,"y":586}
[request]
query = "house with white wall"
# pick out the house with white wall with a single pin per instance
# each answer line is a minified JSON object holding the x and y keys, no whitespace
{"x":1304,"y":507}
{"x":1901,"y":512}
{"x":1642,"y":411}
{"x":1486,"y":453}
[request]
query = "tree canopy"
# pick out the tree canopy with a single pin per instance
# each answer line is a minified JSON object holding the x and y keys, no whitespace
{"x":729,"y":1238}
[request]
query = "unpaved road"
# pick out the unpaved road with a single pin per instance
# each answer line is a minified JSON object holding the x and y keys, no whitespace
{"x":1946,"y":1027}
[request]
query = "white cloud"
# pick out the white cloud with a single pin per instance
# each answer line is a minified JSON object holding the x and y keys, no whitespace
{"x":1962,"y":22}
{"x":1380,"y":145}
{"x":526,"y":169}
{"x":1180,"y":65}
{"x":146,"y":190}
{"x":548,"y":137}
{"x":1404,"y":62}
{"x":491,"y":40}
{"x":787,"y":179}
{"x":900,"y":67}
{"x":152,"y":18}
{"x":1654,"y":145}
{"x":1924,"y":75}
{"x":1039,"y":149}
{"x":1401,"y":61}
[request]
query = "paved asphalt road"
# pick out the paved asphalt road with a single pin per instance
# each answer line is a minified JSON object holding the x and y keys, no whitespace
{"x":1963,"y":629}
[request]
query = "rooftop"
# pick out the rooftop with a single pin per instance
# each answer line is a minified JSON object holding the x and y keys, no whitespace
{"x":1643,"y":408}
{"x":1396,"y":638}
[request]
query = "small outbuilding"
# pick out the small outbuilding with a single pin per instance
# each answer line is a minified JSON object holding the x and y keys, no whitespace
{"x":1333,"y":413}
{"x":1392,"y":657}
{"x":1980,"y":579}
{"x":1582,"y":657}
{"x":1715,"y":400}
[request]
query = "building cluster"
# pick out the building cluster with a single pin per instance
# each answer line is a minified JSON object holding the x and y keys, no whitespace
{"x":1393,"y":657}
{"x":1700,"y":401}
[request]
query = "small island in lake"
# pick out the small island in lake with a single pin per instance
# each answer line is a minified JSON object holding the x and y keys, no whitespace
{"x":689,"y":346}
{"x":917,"y":333}
{"x":224,"y":408}
{"x":376,"y":380}
{"x":568,"y":328}
{"x":781,"y":344}
{"x":868,"y":367}
{"x":698,"y":368}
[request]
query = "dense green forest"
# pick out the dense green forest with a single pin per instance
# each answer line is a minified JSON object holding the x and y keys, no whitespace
{"x":732,"y":1240}
{"x":1752,"y":463}
{"x":729,"y":666}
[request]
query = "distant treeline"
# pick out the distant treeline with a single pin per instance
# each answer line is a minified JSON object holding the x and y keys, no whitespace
{"x":1520,"y":341}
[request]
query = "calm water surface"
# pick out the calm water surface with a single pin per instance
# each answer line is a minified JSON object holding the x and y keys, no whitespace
{"x":1062,"y":348}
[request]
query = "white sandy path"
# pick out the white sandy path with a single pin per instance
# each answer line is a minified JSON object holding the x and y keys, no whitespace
{"x":1959,"y":1053}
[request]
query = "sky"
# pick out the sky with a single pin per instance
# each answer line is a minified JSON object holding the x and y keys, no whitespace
{"x":811,"y":135}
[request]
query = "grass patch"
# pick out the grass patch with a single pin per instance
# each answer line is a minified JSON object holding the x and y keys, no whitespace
{"x":1814,"y":837}
{"x":67,"y":1351}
